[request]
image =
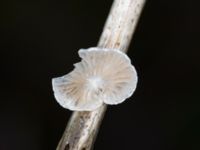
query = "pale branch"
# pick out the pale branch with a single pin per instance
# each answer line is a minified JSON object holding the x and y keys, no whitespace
{"x":83,"y":127}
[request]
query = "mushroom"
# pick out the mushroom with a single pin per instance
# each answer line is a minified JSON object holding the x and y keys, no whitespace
{"x":103,"y":76}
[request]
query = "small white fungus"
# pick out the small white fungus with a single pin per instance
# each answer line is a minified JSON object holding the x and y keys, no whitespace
{"x":102,"y":76}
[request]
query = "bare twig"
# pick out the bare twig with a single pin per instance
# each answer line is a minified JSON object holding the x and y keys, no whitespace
{"x":83,"y":127}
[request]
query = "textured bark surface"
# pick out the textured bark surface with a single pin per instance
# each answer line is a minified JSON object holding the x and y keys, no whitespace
{"x":82,"y":128}
{"x":121,"y":24}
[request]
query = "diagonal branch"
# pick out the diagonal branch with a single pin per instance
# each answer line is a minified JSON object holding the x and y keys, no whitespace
{"x":82,"y":128}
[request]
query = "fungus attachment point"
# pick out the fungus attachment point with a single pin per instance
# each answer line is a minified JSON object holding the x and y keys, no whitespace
{"x":102,"y":76}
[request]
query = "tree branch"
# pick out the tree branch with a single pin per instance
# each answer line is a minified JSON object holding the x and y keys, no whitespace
{"x":82,"y":128}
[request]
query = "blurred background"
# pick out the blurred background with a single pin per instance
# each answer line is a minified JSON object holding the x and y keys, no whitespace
{"x":40,"y":40}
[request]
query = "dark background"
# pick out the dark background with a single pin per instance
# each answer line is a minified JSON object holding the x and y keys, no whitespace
{"x":39,"y":41}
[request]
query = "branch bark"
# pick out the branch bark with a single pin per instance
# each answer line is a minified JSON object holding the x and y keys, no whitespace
{"x":83,"y":127}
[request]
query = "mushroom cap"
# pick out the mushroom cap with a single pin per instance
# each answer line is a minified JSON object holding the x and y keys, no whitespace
{"x":102,"y":76}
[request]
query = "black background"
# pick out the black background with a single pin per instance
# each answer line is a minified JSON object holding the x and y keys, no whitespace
{"x":39,"y":41}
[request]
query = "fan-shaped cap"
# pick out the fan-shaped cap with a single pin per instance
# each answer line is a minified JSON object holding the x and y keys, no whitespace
{"x":102,"y":76}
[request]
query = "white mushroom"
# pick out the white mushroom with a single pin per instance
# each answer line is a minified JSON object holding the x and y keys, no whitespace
{"x":102,"y":76}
